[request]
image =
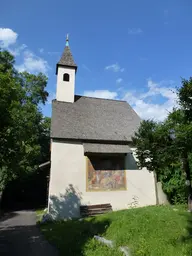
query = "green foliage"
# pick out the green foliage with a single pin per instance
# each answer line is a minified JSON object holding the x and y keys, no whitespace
{"x":185,"y":97}
{"x":158,"y":152}
{"x":156,"y":231}
{"x":152,"y":141}
{"x":24,"y":132}
{"x":166,"y":147}
{"x":174,"y":185}
{"x":145,"y":140}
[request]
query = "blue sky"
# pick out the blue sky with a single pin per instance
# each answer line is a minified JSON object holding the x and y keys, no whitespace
{"x":131,"y":50}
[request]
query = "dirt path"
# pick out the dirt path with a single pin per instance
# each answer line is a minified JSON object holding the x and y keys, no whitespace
{"x":20,"y":236}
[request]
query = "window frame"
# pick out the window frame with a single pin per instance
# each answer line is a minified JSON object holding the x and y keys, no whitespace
{"x":66,"y":77}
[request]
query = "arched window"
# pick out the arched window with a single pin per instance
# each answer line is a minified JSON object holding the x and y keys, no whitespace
{"x":66,"y":77}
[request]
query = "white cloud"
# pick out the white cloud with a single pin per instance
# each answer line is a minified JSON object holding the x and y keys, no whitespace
{"x":135,"y":31}
{"x":7,"y":37}
{"x":144,"y":104}
{"x":115,"y":68}
{"x":105,"y":94}
{"x":17,"y":51}
{"x":147,"y":105}
{"x":33,"y":63}
{"x":119,"y":80}
{"x":160,"y":89}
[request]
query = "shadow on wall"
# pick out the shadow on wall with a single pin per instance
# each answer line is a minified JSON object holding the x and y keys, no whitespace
{"x":131,"y":164}
{"x":66,"y":206}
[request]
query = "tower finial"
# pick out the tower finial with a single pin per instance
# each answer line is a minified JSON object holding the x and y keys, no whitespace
{"x":67,"y":40}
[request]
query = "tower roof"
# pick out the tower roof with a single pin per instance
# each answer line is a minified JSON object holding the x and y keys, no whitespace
{"x":67,"y":57}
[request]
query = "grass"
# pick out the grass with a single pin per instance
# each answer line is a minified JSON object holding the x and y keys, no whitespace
{"x":39,"y":211}
{"x":148,"y":231}
{"x":39,"y":214}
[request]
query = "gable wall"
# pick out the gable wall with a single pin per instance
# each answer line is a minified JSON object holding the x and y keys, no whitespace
{"x":67,"y":188}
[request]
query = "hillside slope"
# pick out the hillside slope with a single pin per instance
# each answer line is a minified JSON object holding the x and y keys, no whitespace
{"x":148,"y":231}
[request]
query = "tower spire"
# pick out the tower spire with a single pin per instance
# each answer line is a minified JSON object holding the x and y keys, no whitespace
{"x":66,"y":59}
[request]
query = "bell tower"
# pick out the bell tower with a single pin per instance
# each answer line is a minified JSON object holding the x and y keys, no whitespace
{"x":66,"y":72}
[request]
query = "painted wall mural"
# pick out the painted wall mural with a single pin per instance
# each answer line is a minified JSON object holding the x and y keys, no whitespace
{"x":106,"y":174}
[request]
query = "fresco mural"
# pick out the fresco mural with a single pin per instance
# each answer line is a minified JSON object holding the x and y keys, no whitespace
{"x":106,"y":174}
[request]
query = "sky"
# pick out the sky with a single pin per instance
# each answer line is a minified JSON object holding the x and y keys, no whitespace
{"x":131,"y":50}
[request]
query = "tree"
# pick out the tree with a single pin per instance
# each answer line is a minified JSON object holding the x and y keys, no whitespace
{"x":24,"y":132}
{"x":145,"y":141}
{"x":164,"y":147}
{"x":152,"y":142}
{"x":157,"y":152}
{"x":184,"y":136}
{"x":185,"y":98}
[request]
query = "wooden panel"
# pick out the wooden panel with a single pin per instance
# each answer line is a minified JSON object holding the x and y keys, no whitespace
{"x":92,"y":210}
{"x":93,"y":206}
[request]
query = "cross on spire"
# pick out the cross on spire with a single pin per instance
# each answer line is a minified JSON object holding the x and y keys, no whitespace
{"x":67,"y":40}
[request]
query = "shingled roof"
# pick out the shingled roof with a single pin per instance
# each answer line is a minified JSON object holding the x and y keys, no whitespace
{"x":93,"y":119}
{"x":66,"y":58}
{"x":106,"y":148}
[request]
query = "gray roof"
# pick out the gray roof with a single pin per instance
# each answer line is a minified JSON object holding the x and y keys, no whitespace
{"x":67,"y":59}
{"x":106,"y":148}
{"x":93,"y":119}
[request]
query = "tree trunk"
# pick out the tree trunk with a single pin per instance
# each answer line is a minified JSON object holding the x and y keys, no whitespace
{"x":186,"y":170}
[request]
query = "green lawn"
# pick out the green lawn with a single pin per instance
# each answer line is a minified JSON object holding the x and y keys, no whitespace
{"x":149,"y":231}
{"x":39,"y":214}
{"x":39,"y":211}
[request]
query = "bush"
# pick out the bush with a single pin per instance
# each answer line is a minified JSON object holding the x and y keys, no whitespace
{"x":174,"y":185}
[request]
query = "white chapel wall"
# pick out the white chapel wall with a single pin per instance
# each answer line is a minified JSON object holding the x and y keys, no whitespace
{"x":67,"y":188}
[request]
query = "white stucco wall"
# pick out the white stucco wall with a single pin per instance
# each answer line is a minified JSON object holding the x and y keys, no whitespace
{"x":67,"y":188}
{"x":65,"y":90}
